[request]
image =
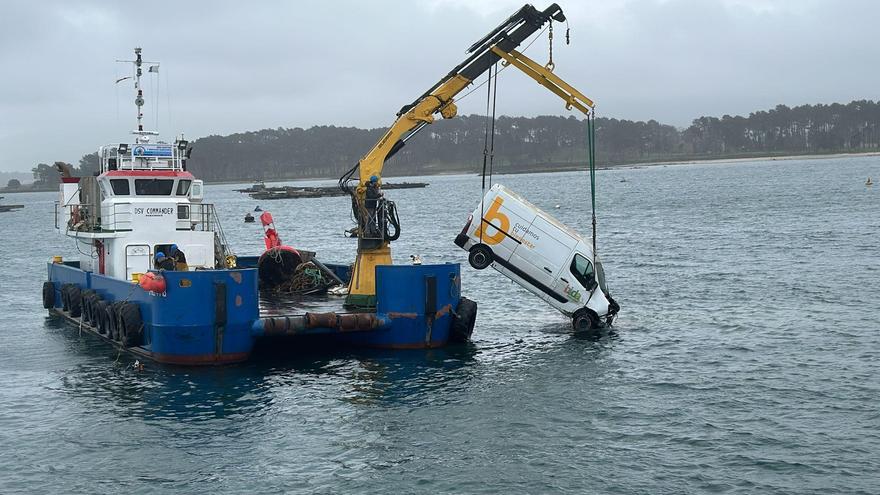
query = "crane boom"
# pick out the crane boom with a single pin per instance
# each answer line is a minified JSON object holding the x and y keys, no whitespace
{"x":499,"y":45}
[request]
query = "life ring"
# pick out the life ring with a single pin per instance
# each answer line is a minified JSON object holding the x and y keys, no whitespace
{"x":152,"y":282}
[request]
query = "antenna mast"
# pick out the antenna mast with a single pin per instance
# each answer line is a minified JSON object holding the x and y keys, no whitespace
{"x":142,"y":135}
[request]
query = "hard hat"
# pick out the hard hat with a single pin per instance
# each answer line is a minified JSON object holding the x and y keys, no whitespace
{"x":373,"y":178}
{"x":159,"y":255}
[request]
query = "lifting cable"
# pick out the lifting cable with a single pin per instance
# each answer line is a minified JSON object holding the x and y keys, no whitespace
{"x":591,"y":158}
{"x":488,"y":139}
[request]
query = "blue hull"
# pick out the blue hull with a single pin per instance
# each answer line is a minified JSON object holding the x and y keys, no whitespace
{"x":212,"y":317}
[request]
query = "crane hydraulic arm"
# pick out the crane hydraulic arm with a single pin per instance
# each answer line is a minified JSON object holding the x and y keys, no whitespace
{"x":370,"y":209}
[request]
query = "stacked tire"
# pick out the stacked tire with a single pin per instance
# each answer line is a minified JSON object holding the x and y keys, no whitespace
{"x":48,"y":295}
{"x":119,"y":321}
{"x":129,"y":324}
{"x":71,"y":299}
{"x":88,"y":298}
{"x":463,"y":320}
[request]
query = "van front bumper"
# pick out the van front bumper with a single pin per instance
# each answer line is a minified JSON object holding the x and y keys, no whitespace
{"x":460,"y":240}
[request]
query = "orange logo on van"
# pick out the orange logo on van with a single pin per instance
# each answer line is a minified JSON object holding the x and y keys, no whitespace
{"x":498,"y":221}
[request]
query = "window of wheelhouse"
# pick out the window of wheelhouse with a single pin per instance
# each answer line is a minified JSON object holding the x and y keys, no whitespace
{"x":120,"y":187}
{"x":183,"y":187}
{"x":582,"y":270}
{"x":153,"y":187}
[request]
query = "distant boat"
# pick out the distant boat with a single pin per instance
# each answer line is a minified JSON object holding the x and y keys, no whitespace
{"x":869,"y":182}
{"x":258,"y":209}
{"x":623,"y":180}
{"x":248,"y":218}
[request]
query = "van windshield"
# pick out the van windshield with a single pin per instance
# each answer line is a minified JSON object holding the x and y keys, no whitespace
{"x":600,"y":276}
{"x":582,"y":270}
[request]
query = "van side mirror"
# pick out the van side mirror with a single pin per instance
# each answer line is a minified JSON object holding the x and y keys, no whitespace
{"x":592,"y":283}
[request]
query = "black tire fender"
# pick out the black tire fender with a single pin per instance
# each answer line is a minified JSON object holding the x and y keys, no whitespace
{"x":99,"y":315}
{"x":48,"y":295}
{"x":65,"y":297}
{"x":74,"y":301}
{"x":480,"y":256}
{"x":112,"y":312}
{"x":130,"y":324}
{"x":463,"y":320}
{"x":89,"y":298}
{"x":95,"y":309}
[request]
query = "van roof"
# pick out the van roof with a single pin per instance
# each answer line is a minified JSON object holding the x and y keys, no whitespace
{"x":556,"y":223}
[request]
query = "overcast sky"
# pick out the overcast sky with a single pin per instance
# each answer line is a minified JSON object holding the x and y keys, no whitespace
{"x":238,"y":66}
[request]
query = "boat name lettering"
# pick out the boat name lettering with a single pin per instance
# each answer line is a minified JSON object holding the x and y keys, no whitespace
{"x":154,"y":211}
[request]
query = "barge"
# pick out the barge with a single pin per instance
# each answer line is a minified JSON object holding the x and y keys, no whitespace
{"x":144,"y":210}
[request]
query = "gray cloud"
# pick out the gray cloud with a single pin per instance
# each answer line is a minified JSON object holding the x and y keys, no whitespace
{"x":236,"y":66}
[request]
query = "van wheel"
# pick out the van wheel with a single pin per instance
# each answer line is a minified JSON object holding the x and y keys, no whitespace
{"x":480,"y":257}
{"x":584,"y":320}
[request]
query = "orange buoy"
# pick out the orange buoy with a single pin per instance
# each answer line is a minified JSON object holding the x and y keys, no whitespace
{"x":153,"y":282}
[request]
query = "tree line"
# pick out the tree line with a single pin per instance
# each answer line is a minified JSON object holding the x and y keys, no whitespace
{"x":540,"y":143}
{"x":527,"y":143}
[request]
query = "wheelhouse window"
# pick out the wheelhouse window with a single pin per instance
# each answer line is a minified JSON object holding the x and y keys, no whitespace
{"x":153,"y":187}
{"x":582,"y":270}
{"x":120,"y":187}
{"x":183,"y":187}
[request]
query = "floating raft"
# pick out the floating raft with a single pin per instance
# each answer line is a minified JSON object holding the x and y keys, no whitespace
{"x":290,"y":192}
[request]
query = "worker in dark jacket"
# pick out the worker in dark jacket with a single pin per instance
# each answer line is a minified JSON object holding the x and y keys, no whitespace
{"x":164,"y":262}
{"x":179,"y":258}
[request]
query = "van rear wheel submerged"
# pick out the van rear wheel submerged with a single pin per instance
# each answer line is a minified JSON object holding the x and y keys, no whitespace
{"x":480,"y":256}
{"x":584,"y":320}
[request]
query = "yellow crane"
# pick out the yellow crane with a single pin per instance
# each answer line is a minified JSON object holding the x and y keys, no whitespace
{"x":373,"y":213}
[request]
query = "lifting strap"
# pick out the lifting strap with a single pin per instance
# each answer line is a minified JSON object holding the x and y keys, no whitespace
{"x":591,"y":158}
{"x":488,"y":139}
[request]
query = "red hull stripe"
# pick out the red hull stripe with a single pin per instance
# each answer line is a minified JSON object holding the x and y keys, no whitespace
{"x":148,"y":173}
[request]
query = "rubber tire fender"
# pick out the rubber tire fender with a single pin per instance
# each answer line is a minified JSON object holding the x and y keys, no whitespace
{"x":89,"y":310}
{"x":95,"y":310}
{"x":480,"y":256}
{"x":584,"y":320}
{"x":65,"y":297}
{"x":99,"y":314}
{"x":74,"y":301}
{"x":463,"y":320}
{"x":130,"y":324}
{"x":48,"y":295}
{"x":86,"y":303}
{"x":112,"y":312}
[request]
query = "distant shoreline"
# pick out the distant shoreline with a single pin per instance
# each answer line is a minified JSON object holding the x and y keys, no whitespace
{"x":549,"y":169}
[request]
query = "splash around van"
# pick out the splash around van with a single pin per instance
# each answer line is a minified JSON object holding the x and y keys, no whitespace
{"x":541,"y":254}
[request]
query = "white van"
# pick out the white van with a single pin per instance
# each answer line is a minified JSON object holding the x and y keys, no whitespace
{"x":541,"y":254}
